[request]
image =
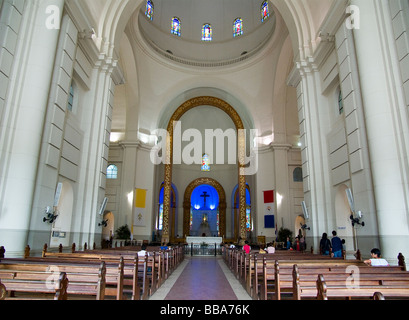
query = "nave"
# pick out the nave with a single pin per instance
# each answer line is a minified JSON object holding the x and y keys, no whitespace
{"x":201,"y":278}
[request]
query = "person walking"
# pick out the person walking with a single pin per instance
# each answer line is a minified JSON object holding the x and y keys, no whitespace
{"x":336,"y":244}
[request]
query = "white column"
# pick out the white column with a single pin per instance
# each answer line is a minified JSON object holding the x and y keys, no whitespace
{"x":315,"y":169}
{"x":129,"y":164}
{"x":384,"y":139}
{"x":282,"y":185}
{"x":25,"y":110}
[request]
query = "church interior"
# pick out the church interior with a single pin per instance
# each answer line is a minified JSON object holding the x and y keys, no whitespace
{"x":230,"y":119}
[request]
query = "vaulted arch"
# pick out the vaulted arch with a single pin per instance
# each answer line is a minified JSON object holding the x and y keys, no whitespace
{"x":302,"y":17}
{"x":187,"y":203}
{"x":229,"y":110}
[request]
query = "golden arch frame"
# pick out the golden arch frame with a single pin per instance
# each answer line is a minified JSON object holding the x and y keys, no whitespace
{"x":187,"y":204}
{"x":232,"y":113}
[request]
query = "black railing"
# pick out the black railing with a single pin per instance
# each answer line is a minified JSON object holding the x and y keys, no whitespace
{"x":203,"y":249}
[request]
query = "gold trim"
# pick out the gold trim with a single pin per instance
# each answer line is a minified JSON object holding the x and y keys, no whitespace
{"x":187,"y":204}
{"x":229,"y":110}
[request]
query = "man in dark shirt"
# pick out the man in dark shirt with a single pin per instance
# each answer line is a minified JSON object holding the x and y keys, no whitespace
{"x":336,"y":245}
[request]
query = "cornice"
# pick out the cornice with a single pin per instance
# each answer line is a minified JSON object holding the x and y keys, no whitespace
{"x":135,"y":144}
{"x":325,"y":43}
{"x":88,"y":40}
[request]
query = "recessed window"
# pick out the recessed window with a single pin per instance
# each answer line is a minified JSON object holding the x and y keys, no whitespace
{"x":175,"y":27}
{"x":149,"y":10}
{"x":207,"y":32}
{"x":112,"y":172}
{"x":71,"y":95}
{"x":297,"y":175}
{"x":237,"y":27}
{"x":340,"y":102}
{"x":265,"y":12}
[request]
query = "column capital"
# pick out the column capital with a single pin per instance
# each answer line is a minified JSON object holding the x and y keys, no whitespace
{"x":281,"y":146}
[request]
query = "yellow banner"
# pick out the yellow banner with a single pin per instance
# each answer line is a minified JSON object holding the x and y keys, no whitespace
{"x":140,"y":198}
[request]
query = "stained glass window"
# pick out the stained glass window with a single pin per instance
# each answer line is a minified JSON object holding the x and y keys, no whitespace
{"x":238,"y":27}
{"x":175,"y":28}
{"x":191,"y":218}
{"x":248,"y":218}
{"x":207,"y":32}
{"x":205,"y":163}
{"x":112,"y":172}
{"x":149,"y":10}
{"x":265,"y":12}
{"x":160,"y":222}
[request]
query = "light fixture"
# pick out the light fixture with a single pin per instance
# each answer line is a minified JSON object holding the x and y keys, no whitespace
{"x":305,"y":227}
{"x":356,"y":220}
{"x":51,"y":214}
{"x":356,"y":216}
{"x":104,"y":223}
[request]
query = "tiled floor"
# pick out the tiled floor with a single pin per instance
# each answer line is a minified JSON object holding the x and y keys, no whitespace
{"x":201,"y":278}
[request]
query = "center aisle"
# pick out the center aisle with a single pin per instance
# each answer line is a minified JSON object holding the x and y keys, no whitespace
{"x":201,"y":278}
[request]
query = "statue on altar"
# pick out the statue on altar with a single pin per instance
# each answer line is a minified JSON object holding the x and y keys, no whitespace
{"x":204,"y":229}
{"x":204,"y":215}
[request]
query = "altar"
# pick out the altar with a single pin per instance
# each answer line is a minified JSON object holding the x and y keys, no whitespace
{"x":207,"y":240}
{"x":204,"y":246}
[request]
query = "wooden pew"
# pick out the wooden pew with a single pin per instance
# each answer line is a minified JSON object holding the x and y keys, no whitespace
{"x":84,"y":280}
{"x":151,"y":273}
{"x":135,"y":283}
{"x":149,"y":282}
{"x":277,"y":274}
{"x":152,"y":277}
{"x":242,"y":267}
{"x":255,"y":271}
{"x":375,"y":290}
{"x":162,"y":262}
{"x":3,"y":291}
{"x":36,"y":287}
{"x":141,"y":276}
{"x":346,"y":282}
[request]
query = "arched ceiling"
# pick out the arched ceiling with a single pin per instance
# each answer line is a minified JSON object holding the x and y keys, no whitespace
{"x":110,"y":17}
{"x":224,"y":48}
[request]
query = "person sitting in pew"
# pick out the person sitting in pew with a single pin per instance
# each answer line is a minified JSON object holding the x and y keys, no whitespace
{"x":271,"y":248}
{"x":247,"y":247}
{"x":376,"y":260}
{"x":142,"y":252}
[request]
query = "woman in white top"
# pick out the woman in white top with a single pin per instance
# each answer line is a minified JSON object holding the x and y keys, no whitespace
{"x":270,"y":248}
{"x":376,"y":260}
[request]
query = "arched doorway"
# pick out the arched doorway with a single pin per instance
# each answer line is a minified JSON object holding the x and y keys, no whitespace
{"x":187,"y":204}
{"x":204,"y":212}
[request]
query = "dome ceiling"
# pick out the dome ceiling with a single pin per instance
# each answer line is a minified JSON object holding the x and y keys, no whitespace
{"x":188,"y":47}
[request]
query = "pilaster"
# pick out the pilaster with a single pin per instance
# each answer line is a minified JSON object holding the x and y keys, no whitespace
{"x":375,"y":57}
{"x":26,"y":106}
